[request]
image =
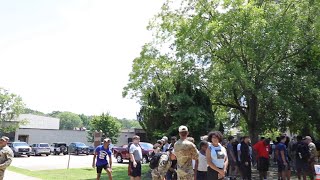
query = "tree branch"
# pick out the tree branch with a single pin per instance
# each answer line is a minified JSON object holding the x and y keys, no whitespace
{"x":235,"y":98}
{"x":266,"y":73}
{"x":229,"y":105}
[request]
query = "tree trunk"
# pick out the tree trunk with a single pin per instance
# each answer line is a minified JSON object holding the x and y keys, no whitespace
{"x":253,"y":125}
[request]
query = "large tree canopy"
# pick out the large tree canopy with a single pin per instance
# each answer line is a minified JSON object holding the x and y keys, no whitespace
{"x":260,"y":58}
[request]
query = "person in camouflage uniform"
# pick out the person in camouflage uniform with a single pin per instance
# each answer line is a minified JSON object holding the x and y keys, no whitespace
{"x":6,"y":155}
{"x":164,"y":165}
{"x":185,"y":152}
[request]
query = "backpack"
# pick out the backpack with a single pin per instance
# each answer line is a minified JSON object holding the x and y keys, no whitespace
{"x":154,"y":162}
{"x":129,"y":146}
{"x":302,"y":152}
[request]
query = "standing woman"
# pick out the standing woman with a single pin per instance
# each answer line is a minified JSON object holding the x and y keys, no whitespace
{"x":216,"y":157}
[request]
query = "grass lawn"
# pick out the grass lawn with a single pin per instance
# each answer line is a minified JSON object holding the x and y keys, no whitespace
{"x":119,"y":173}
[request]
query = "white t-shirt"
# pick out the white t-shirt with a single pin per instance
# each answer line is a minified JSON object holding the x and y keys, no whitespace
{"x":218,"y":155}
{"x":136,"y":151}
{"x":203,"y":165}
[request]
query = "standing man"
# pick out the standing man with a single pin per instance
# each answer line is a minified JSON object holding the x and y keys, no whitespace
{"x":172,"y":170}
{"x":6,"y":155}
{"x":173,"y":141}
{"x":102,"y":152}
{"x":283,"y":160}
{"x":302,"y":156}
{"x":166,"y":144}
{"x":238,"y":154}
{"x":313,"y":155}
{"x":135,"y":159}
{"x":262,"y":150}
{"x":245,"y":158}
{"x":185,"y":152}
{"x":233,"y":168}
{"x":164,"y":164}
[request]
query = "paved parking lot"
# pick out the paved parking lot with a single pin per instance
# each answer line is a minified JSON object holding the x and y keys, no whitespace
{"x":35,"y":163}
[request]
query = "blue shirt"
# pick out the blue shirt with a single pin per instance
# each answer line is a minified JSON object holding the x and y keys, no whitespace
{"x":102,"y":154}
{"x":282,"y":147}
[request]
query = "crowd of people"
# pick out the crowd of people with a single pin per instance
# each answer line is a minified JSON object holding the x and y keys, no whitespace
{"x":218,"y":158}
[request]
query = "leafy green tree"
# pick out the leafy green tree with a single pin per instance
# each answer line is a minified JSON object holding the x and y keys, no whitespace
{"x":11,"y":106}
{"x":69,"y":120}
{"x":109,"y":126}
{"x":169,"y":102}
{"x":54,"y":113}
{"x":85,"y":120}
{"x":237,"y":52}
{"x":128,"y":124}
{"x":31,"y":111}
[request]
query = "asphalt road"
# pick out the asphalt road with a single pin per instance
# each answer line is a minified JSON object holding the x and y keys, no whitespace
{"x":35,"y":163}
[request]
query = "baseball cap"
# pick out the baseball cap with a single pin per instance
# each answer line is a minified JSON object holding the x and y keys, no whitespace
{"x":4,"y":138}
{"x":107,"y":140}
{"x":165,"y":138}
{"x":308,"y":138}
{"x":183,"y":129}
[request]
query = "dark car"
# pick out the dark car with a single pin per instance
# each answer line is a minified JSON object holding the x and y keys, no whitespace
{"x":20,"y":148}
{"x":91,"y":149}
{"x":121,"y":153}
{"x":78,"y":148}
{"x":41,"y":148}
{"x":59,"y":148}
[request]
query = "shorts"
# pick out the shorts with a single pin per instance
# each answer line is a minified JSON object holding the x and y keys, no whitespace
{"x":134,"y":171}
{"x":202,"y":175}
{"x":263,"y":164}
{"x":301,"y":165}
{"x":282,"y":167}
{"x":99,"y":168}
{"x":212,"y":174}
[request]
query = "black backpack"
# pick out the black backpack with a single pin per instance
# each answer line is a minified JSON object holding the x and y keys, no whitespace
{"x":302,"y":151}
{"x":154,"y":162}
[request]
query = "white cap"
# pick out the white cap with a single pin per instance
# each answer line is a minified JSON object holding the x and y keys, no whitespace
{"x":308,"y":138}
{"x":183,"y":129}
{"x":165,"y":138}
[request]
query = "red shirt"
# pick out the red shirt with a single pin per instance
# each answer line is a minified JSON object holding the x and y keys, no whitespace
{"x":262,"y":149}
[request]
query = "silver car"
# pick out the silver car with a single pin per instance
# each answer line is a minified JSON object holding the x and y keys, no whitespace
{"x":41,"y":148}
{"x":20,"y":148}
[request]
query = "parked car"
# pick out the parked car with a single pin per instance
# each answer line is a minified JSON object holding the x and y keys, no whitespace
{"x":41,"y":148}
{"x":91,"y":149}
{"x":122,"y":153}
{"x":20,"y":148}
{"x":78,"y":148}
{"x":59,"y":148}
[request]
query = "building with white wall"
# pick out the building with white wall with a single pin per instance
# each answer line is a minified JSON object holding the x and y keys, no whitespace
{"x":42,"y":129}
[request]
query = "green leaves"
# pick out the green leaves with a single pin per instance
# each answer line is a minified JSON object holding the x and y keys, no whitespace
{"x":69,"y":120}
{"x":11,"y":106}
{"x":109,"y":125}
{"x":245,"y":56}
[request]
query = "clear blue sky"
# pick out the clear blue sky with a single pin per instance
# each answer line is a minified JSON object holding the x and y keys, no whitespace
{"x":73,"y":55}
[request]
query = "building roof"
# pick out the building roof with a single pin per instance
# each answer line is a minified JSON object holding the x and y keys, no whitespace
{"x":133,"y":130}
{"x":38,"y":122}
